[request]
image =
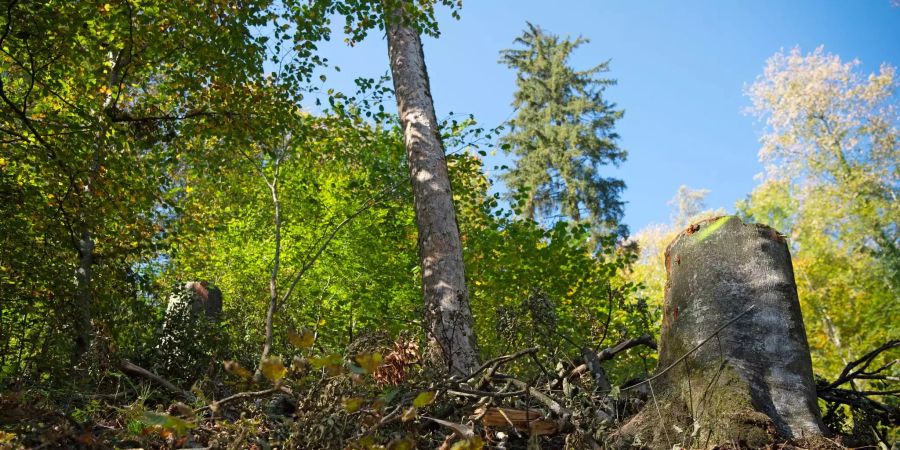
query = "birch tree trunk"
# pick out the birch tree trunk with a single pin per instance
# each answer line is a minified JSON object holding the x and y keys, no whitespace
{"x":83,"y":294}
{"x":448,"y":319}
{"x":734,"y":364}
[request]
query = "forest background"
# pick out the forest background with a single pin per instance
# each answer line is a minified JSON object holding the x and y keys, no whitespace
{"x":145,"y":146}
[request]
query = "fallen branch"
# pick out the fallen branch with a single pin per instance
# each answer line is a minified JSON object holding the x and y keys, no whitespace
{"x":495,"y":363}
{"x":129,"y":368}
{"x":860,"y":365}
{"x":611,"y":352}
{"x":564,"y":414}
{"x":592,"y":359}
{"x":243,"y":395}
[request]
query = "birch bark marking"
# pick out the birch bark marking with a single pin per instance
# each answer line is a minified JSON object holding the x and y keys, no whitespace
{"x":448,"y":319}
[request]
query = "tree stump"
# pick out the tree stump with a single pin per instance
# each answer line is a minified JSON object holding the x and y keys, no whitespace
{"x":202,"y":299}
{"x":752,"y":382}
{"x":190,"y":335}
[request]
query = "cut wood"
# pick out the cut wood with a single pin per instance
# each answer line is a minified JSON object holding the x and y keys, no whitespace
{"x":529,"y":421}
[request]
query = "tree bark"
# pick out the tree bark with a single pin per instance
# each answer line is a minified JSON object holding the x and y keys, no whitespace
{"x":752,"y":382}
{"x":448,"y":319}
{"x":83,"y":294}
{"x":273,"y":279}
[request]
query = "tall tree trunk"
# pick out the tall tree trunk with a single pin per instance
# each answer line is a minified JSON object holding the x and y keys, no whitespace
{"x":734,"y":364}
{"x":83,"y":294}
{"x":84,"y":273}
{"x":273,"y":278}
{"x":448,"y":319}
{"x":86,"y":241}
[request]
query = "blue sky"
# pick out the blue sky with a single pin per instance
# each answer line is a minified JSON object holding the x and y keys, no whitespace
{"x":682,"y":68}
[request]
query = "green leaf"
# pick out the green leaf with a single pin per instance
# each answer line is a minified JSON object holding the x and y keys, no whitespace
{"x":423,"y":399}
{"x":166,"y":422}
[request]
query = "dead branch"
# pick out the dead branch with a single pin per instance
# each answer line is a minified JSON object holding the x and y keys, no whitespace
{"x":243,"y":395}
{"x":857,"y":369}
{"x":495,"y":363}
{"x":129,"y":368}
{"x":562,"y":413}
{"x":592,"y":359}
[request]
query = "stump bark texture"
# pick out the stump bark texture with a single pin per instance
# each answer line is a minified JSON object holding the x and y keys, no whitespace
{"x":203,"y":299}
{"x":752,"y":383}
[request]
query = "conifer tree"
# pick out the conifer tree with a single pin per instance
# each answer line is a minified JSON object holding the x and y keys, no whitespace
{"x":562,"y":135}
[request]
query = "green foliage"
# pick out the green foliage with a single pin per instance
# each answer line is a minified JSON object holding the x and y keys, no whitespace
{"x":562,"y":135}
{"x":93,"y":98}
{"x":547,"y":287}
{"x":831,"y":148}
{"x":189,"y":344}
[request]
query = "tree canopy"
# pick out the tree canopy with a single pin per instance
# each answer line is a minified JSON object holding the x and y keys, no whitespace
{"x":562,"y":135}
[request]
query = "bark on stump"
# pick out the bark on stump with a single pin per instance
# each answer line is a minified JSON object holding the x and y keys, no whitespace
{"x":204,"y":300}
{"x":750,"y":384}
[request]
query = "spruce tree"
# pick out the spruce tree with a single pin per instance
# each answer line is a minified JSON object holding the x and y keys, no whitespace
{"x":562,"y":134}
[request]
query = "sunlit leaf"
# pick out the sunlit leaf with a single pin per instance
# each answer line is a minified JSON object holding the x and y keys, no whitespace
{"x":472,"y":443}
{"x":369,"y":361}
{"x":423,"y":399}
{"x":402,"y":444}
{"x":273,"y":369}
{"x":409,"y":414}
{"x":166,"y":422}
{"x":235,"y":368}
{"x":304,"y":339}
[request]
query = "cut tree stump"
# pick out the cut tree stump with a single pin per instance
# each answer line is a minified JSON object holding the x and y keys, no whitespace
{"x":751,"y":383}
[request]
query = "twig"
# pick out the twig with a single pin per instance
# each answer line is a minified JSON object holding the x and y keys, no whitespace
{"x":391,"y":416}
{"x":129,"y":368}
{"x":561,"y":412}
{"x":696,"y":347}
{"x":243,"y":395}
{"x":848,"y":374}
{"x":495,"y":364}
{"x":511,"y":424}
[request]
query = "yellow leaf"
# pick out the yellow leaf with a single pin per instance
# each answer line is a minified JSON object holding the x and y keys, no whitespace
{"x":369,"y":361}
{"x":409,"y":414}
{"x":423,"y":399}
{"x":472,"y":443}
{"x":353,"y":404}
{"x":402,"y":444}
{"x":273,"y":369}
{"x":166,"y":422}
{"x":234,"y":368}
{"x":332,"y":363}
{"x":304,"y":339}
